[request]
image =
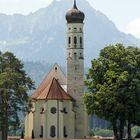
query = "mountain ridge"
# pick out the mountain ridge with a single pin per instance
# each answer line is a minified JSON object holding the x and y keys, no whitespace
{"x":41,"y":36}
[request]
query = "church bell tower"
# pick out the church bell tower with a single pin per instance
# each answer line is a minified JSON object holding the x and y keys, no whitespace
{"x":75,"y":67}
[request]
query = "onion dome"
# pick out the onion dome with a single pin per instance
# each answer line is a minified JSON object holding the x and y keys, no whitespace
{"x":75,"y":15}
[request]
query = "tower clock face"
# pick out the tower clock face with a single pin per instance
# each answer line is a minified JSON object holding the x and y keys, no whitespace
{"x":53,"y":110}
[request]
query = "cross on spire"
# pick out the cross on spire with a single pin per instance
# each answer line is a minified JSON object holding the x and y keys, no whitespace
{"x":74,"y":5}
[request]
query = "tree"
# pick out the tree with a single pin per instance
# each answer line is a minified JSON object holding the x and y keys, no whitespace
{"x":113,"y":82}
{"x":14,"y":85}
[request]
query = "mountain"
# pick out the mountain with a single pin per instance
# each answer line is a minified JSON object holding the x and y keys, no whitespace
{"x":41,"y":36}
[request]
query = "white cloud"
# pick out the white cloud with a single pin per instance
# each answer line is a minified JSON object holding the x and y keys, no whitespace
{"x":134,"y":27}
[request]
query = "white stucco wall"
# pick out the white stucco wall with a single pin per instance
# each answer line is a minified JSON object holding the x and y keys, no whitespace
{"x":34,"y":121}
{"x":38,"y":118}
{"x":29,"y":124}
{"x":59,"y":119}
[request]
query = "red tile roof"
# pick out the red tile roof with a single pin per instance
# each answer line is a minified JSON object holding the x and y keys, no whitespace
{"x":56,"y":73}
{"x":52,"y":91}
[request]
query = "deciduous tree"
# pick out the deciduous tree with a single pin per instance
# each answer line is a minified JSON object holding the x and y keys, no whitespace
{"x":113,"y":83}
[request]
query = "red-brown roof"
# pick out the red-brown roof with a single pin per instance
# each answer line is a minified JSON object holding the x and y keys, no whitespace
{"x":52,"y":91}
{"x":56,"y":73}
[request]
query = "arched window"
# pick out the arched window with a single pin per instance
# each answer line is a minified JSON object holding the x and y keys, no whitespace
{"x":52,"y":131}
{"x":75,"y":40}
{"x":65,"y":132}
{"x":41,"y":131}
{"x":69,"y":40}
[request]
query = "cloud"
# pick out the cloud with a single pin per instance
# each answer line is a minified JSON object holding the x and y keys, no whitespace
{"x":134,"y":28}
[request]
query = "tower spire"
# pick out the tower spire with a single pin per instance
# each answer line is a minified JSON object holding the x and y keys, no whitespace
{"x":74,"y":5}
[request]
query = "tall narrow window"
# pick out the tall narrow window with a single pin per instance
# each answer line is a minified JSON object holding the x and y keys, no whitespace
{"x":52,"y":131}
{"x":65,"y":132}
{"x":81,"y":40}
{"x":75,"y":40}
{"x":41,"y":132}
{"x":69,"y":40}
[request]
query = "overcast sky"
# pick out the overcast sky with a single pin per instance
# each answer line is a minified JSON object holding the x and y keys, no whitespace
{"x":124,"y":13}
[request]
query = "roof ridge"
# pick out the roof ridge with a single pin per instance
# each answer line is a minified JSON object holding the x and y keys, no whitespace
{"x":50,"y":86}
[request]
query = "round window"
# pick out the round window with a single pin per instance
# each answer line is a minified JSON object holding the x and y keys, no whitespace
{"x":53,"y":110}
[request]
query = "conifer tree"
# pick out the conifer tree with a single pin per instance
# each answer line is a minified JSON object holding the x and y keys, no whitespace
{"x":14,"y":85}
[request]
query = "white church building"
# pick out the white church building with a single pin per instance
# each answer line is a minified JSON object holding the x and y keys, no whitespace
{"x":58,"y":110}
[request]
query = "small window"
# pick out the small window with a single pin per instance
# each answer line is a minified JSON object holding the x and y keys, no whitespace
{"x":53,"y":110}
{"x":81,"y":56}
{"x":55,"y":68}
{"x":42,"y":110}
{"x":69,"y":40}
{"x":75,"y":29}
{"x":52,"y":131}
{"x":65,"y":111}
{"x":75,"y":55}
{"x":75,"y":40}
